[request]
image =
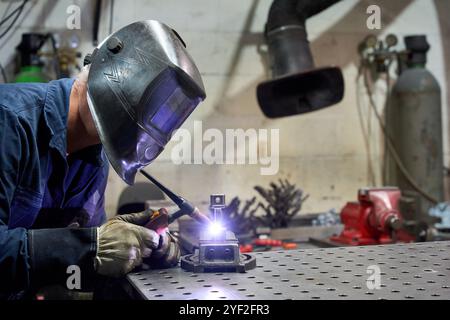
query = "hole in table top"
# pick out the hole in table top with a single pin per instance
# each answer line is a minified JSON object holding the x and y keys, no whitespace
{"x":187,"y":293}
{"x":158,"y":295}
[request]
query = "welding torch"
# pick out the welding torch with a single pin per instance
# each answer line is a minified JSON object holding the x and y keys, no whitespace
{"x":186,"y":208}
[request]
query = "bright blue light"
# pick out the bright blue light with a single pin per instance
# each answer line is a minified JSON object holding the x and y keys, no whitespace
{"x":215,"y":228}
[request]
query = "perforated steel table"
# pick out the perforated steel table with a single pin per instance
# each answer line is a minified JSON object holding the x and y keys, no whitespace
{"x":406,"y":271}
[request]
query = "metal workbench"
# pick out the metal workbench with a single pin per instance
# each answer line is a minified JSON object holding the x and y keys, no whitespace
{"x":407,"y":271}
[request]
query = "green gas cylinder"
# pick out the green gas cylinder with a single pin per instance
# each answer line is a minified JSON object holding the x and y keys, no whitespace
{"x":414,"y":123}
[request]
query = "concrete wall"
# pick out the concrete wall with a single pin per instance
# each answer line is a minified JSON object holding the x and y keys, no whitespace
{"x":325,"y":152}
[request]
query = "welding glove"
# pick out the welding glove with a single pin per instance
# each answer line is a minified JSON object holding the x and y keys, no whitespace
{"x":122,"y":246}
{"x":168,"y":253}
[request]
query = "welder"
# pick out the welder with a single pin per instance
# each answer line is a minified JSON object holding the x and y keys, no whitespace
{"x":138,"y":86}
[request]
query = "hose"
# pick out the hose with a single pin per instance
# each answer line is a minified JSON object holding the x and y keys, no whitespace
{"x":389,"y":142}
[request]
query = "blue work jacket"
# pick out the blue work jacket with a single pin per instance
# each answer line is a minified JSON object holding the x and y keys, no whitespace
{"x":43,"y":191}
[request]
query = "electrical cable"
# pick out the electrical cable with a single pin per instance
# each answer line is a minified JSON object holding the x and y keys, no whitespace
{"x":389,"y":142}
{"x":4,"y":19}
{"x":19,"y":10}
{"x":364,"y":128}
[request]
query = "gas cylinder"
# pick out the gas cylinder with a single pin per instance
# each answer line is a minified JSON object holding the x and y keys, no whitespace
{"x":413,"y":121}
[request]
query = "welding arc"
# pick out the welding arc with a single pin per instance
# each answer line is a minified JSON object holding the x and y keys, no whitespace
{"x":389,"y":143}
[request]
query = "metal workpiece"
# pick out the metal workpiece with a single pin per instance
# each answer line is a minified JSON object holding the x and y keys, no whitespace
{"x":404,"y":271}
{"x":218,"y":253}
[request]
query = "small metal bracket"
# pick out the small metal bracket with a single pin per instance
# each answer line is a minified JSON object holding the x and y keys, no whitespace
{"x":218,"y":253}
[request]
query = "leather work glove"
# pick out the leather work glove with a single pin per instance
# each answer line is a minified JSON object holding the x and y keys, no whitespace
{"x":118,"y":254}
{"x":122,"y":246}
{"x":168,"y":253}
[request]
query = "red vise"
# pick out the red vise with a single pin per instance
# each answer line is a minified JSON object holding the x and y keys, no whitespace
{"x":374,"y":219}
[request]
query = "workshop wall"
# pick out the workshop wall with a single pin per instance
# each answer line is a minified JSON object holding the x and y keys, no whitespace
{"x":325,"y":152}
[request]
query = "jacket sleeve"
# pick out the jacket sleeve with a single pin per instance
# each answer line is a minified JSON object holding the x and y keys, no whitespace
{"x":33,"y":258}
{"x":14,"y":259}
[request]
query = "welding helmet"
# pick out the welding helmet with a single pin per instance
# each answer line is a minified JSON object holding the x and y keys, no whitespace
{"x":142,"y":86}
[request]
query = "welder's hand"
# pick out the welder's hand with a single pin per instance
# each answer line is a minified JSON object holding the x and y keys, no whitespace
{"x":168,"y":253}
{"x":122,"y":246}
{"x":140,"y":218}
{"x":157,"y":220}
